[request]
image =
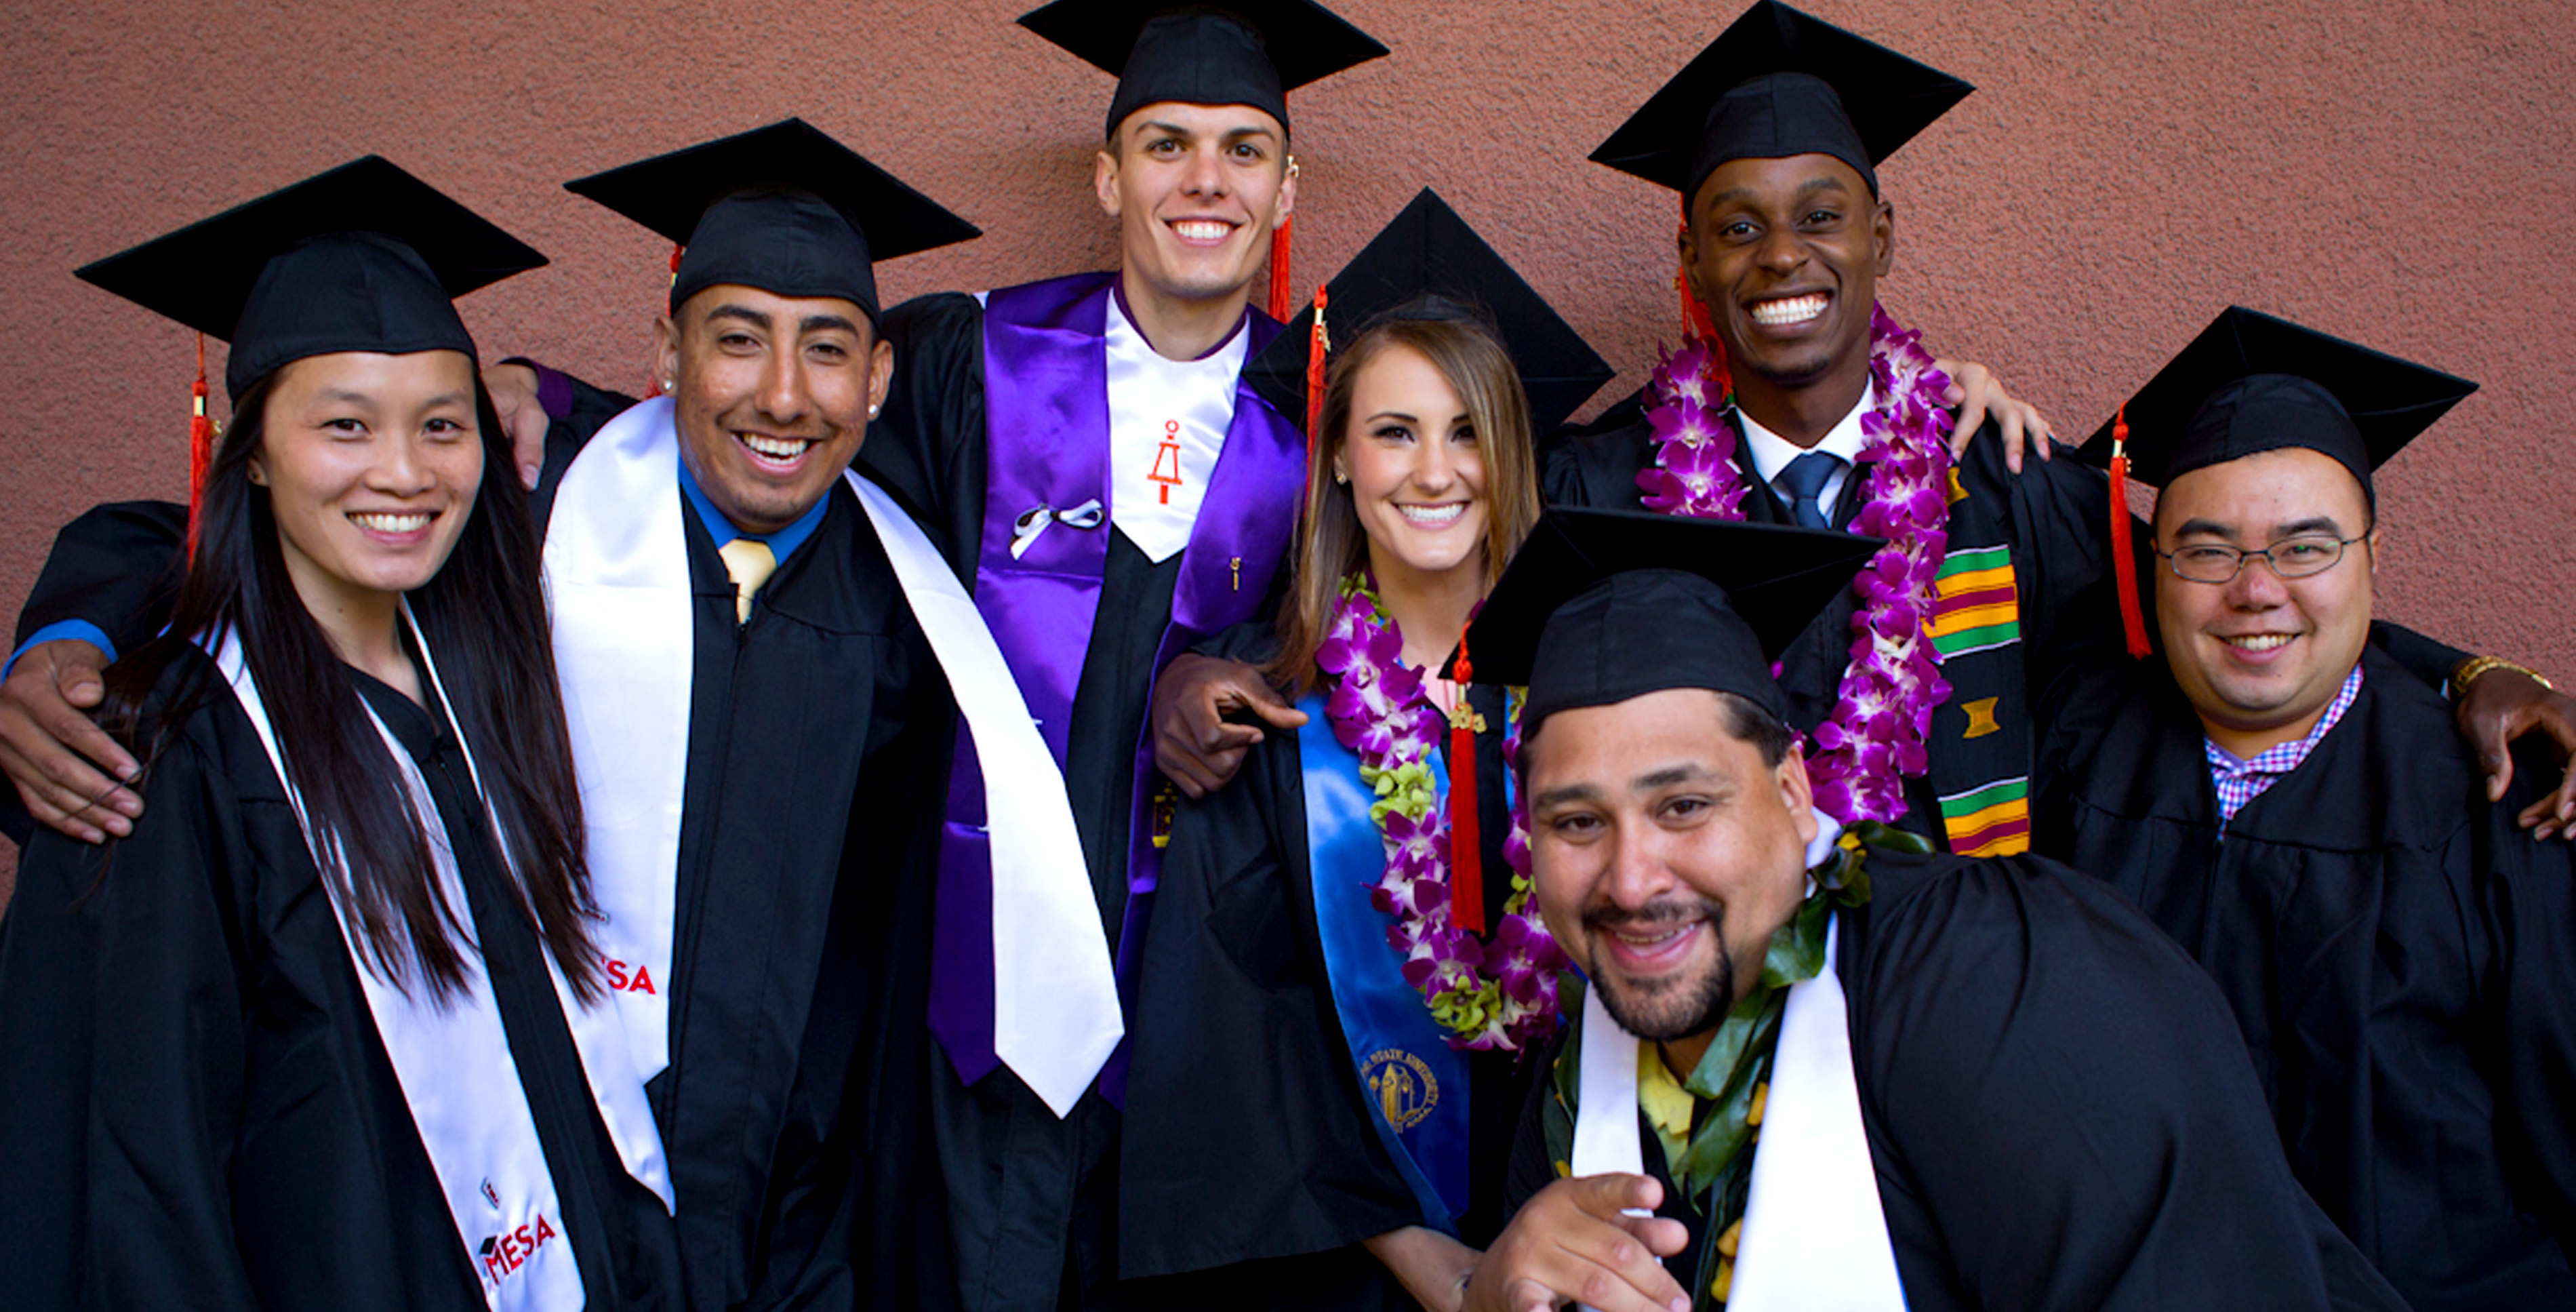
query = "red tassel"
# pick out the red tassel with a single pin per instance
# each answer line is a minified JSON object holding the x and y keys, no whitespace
{"x":1280,"y":289}
{"x":676,"y":248}
{"x":1320,"y":344}
{"x":1466,"y":846}
{"x":2124,"y":560}
{"x":201,"y":449}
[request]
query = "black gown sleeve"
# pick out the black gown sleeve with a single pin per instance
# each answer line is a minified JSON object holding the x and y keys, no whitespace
{"x":927,"y":447}
{"x":2528,"y":1041}
{"x":117,"y":566}
{"x":122,"y":1060}
{"x":2062,"y":1109}
{"x":2423,"y":657}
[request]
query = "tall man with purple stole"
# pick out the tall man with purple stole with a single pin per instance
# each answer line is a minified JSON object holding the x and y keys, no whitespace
{"x":1115,"y":492}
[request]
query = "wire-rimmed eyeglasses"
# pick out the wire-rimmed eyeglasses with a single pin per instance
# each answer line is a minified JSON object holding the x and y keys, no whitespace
{"x":2290,"y":558}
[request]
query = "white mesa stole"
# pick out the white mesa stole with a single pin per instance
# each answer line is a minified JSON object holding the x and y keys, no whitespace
{"x":617,"y":575}
{"x":1815,"y":1234}
{"x":453,"y":1058}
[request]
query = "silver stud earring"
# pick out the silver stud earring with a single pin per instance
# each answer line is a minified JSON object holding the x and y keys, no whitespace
{"x":669,"y":383}
{"x":1340,"y":477}
{"x":872,"y":411}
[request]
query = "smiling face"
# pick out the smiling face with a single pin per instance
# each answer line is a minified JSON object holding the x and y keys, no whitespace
{"x":1665,"y":852}
{"x":1787,"y":254}
{"x":773,"y":395}
{"x":1417,"y":475}
{"x":1196,"y":190}
{"x":2261,"y":657}
{"x":371,"y":464}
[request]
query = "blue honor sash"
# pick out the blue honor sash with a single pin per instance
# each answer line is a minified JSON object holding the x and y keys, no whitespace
{"x":1409,"y":1075}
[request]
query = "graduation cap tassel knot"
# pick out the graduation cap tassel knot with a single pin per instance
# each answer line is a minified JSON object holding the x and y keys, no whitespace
{"x":2124,"y":560}
{"x":1466,"y":845}
{"x":1322,"y":344}
{"x":201,"y":448}
{"x":1280,"y":288}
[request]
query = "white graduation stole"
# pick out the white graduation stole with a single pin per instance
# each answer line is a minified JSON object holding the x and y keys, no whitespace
{"x":453,"y":1059}
{"x":1167,"y":425}
{"x":1815,"y":1234}
{"x":617,"y":572}
{"x":617,"y":582}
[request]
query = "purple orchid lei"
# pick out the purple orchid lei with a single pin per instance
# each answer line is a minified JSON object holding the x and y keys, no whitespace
{"x":1874,"y":737}
{"x":1495,"y":995}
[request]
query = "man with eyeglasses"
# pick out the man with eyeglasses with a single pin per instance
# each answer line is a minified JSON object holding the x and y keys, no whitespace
{"x":2296,"y":810}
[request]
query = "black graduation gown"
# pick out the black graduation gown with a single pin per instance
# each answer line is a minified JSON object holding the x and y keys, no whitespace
{"x":2057,"y":1110}
{"x":201,"y":1113}
{"x":1020,"y":1180}
{"x":800,"y":950}
{"x":2052,"y":515}
{"x":2400,"y":957}
{"x":1248,"y":1132}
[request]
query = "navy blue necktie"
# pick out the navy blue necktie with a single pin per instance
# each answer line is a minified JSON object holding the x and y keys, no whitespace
{"x":1803,"y":480}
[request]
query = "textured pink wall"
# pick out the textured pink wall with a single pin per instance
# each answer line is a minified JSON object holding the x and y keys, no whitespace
{"x":2391,"y":172}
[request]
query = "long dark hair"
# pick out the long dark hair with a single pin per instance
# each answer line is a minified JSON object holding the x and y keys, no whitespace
{"x":1331,"y":543}
{"x":484,"y":616}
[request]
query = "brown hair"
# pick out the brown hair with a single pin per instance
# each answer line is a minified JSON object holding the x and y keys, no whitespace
{"x":1472,"y":359}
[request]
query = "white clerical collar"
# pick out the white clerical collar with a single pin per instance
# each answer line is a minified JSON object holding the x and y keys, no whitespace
{"x":1167,"y":425}
{"x":1772,"y":453}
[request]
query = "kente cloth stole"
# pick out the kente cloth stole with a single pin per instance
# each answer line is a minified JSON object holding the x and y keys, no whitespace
{"x":452,"y":1056}
{"x":1408,"y":1073}
{"x":1047,"y":441}
{"x":1980,"y":743}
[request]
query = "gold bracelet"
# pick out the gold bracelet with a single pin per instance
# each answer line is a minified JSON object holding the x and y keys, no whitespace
{"x":2473,"y":668}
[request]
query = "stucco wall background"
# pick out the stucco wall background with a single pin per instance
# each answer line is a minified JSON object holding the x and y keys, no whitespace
{"x":2390,"y":171}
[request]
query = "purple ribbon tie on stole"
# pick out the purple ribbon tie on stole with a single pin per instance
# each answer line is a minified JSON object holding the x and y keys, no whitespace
{"x":1046,"y":404}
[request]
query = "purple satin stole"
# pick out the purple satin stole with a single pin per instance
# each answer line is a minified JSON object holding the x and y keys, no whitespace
{"x":1046,"y":407}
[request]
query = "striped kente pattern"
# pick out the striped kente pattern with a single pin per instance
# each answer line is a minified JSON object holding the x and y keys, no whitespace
{"x":1989,"y":821}
{"x":1975,"y":605}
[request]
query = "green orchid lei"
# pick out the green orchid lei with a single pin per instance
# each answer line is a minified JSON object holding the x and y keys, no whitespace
{"x":1715,"y":1172}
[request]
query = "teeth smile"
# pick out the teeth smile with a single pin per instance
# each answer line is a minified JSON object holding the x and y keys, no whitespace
{"x":1202,"y":229}
{"x":1434,"y":514}
{"x":776,"y":448}
{"x":384,"y":522}
{"x":1654,"y":940}
{"x":1794,"y":309}
{"x":2259,"y":642}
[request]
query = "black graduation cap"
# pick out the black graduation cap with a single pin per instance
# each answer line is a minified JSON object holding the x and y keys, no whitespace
{"x":1776,"y":83}
{"x":1239,"y":52}
{"x":2251,"y":382}
{"x":1427,"y":263}
{"x":364,"y":257}
{"x":1600,"y":606}
{"x":784,"y":208}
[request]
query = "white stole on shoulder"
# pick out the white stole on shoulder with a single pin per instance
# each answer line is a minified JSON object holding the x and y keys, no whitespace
{"x":617,"y":582}
{"x":453,"y":1060}
{"x":1056,"y":1016}
{"x":1815,"y":1234}
{"x":617,"y":573}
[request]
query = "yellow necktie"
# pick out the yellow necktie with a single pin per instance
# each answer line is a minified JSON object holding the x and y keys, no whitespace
{"x":749,"y":561}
